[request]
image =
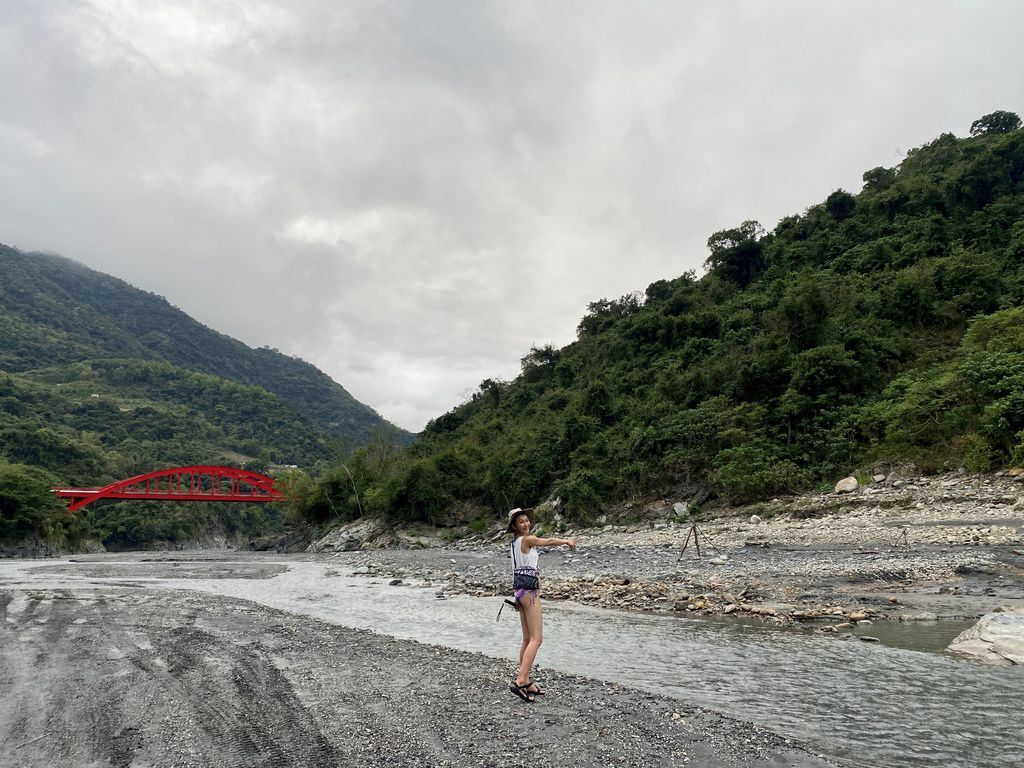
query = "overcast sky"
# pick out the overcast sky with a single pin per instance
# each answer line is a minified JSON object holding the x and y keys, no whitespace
{"x":411,"y":194}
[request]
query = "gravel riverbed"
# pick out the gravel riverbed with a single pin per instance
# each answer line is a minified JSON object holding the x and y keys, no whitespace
{"x":133,"y":676}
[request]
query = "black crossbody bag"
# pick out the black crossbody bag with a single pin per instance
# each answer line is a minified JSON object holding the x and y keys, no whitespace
{"x":523,"y":577}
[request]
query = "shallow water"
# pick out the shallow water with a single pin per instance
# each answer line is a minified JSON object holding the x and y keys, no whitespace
{"x":868,"y":704}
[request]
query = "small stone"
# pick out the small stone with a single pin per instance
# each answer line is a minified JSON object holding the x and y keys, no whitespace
{"x":395,"y":583}
{"x":922,"y":616}
{"x":755,"y":519}
{"x":868,"y":639}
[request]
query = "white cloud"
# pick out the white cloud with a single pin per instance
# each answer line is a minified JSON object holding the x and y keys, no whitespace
{"x":15,"y":140}
{"x":409,"y":195}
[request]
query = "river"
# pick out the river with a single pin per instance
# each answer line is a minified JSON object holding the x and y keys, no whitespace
{"x":902,"y":702}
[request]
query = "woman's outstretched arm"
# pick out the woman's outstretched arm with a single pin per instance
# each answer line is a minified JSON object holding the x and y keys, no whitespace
{"x":536,"y":541}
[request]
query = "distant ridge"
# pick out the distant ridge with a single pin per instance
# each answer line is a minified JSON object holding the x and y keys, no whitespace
{"x":57,"y":312}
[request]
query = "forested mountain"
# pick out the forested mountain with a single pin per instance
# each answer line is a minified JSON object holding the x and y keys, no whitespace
{"x":100,"y":381}
{"x":54,"y":312}
{"x":885,"y":325}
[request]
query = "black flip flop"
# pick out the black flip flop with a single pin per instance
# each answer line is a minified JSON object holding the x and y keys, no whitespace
{"x":537,"y":692}
{"x":521,"y":692}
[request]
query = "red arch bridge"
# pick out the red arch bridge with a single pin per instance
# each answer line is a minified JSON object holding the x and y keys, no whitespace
{"x":198,"y":483}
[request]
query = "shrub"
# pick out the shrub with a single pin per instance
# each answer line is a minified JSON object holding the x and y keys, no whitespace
{"x":749,"y":473}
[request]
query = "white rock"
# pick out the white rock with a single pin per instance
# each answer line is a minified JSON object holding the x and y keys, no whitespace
{"x":681,"y":508}
{"x":755,"y":519}
{"x":997,"y":638}
{"x":847,"y":485}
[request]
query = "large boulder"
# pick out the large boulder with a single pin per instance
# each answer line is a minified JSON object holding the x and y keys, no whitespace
{"x":997,"y":638}
{"x":847,"y":485}
{"x":349,"y":537}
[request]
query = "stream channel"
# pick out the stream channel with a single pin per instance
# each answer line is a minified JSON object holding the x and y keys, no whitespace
{"x":901,"y":702}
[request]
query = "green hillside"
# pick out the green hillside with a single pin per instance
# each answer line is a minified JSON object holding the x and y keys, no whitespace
{"x":89,"y":424}
{"x":880,"y":326}
{"x":100,"y":381}
{"x":54,"y":312}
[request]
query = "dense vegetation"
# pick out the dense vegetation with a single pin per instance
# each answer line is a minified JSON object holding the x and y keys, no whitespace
{"x":100,"y":381}
{"x":880,"y":326}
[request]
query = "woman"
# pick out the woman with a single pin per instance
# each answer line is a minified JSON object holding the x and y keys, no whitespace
{"x":526,"y":585}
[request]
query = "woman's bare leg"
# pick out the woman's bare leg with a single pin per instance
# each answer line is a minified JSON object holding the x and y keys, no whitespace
{"x":533,"y":619}
{"x":526,"y":634}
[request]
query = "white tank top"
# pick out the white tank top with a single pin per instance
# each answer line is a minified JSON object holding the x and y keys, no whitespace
{"x":519,"y":560}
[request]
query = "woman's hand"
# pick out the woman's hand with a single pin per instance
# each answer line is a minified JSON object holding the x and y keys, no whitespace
{"x":570,"y":544}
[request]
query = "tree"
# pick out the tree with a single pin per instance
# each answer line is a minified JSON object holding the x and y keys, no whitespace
{"x":840,"y":204}
{"x":999,"y":121}
{"x":26,"y":504}
{"x":879,"y":178}
{"x":736,"y":254}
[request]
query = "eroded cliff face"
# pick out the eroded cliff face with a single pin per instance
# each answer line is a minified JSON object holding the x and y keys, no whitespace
{"x":212,"y":540}
{"x":37,"y":548}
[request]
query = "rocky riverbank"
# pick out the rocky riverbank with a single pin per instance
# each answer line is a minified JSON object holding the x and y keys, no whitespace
{"x":913,"y":548}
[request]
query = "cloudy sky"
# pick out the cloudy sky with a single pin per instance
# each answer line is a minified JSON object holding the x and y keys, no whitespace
{"x":411,"y":194}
